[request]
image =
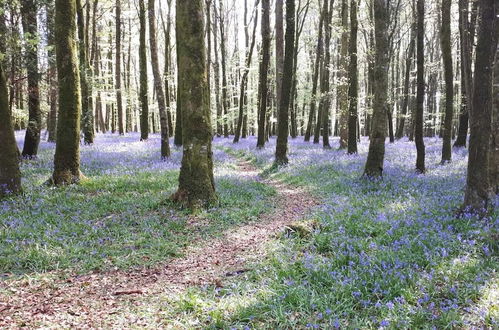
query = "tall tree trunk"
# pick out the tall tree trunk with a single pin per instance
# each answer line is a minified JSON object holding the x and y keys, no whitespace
{"x":318,"y":124}
{"x":223,"y":52}
{"x":244,"y":79}
{"x":29,"y":10}
{"x":445,"y":36}
{"x":494,"y":139}
{"x":301,"y":16}
{"x":119,"y":98}
{"x":376,"y":155}
{"x":158,"y":82}
{"x":281,"y":157}
{"x":353,"y":77}
{"x":317,"y":66}
{"x":263,"y":81}
{"x":279,"y":49}
{"x":408,"y":65}
{"x":128,"y":112}
{"x":342,"y":77}
{"x":67,"y":150}
{"x":196,"y":183}
{"x":143,"y":91}
{"x":216,"y":72}
{"x":10,"y":176}
{"x":478,"y":192}
{"x":418,"y":129}
{"x":466,"y":38}
{"x":326,"y":98}
{"x":52,"y":73}
{"x":167,"y":70}
{"x":86,"y":104}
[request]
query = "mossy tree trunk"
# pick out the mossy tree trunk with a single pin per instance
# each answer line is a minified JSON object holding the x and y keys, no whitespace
{"x":67,"y":151}
{"x":376,"y":154}
{"x":158,"y":82}
{"x":478,"y":192}
{"x":281,"y":157}
{"x":143,"y":91}
{"x":353,"y":81}
{"x":196,"y":183}
{"x":10,"y":176}
{"x":445,"y":36}
{"x":29,"y":11}
{"x":263,"y":80}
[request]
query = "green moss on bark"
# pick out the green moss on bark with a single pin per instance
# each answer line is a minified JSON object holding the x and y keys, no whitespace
{"x":196,"y":183}
{"x":10,"y":176}
{"x":67,"y":152}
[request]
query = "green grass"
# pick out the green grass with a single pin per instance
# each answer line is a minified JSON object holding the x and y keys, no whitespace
{"x":114,"y":221}
{"x":387,"y":254}
{"x":383,"y":256}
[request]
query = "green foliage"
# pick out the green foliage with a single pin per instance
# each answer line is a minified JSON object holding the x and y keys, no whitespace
{"x":112,"y":220}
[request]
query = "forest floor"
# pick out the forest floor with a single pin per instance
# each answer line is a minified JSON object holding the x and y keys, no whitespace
{"x":308,"y":246}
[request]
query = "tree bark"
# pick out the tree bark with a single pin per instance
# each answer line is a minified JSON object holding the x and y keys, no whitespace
{"x":10,"y":176}
{"x":466,"y":38}
{"x":408,"y":65}
{"x":119,"y":98}
{"x":168,"y":64}
{"x":196,"y":183}
{"x":223,"y":53}
{"x":282,"y":134}
{"x":143,"y":91}
{"x":158,"y":82}
{"x":326,"y":98}
{"x":216,"y":72}
{"x":342,"y":77}
{"x":445,"y":36}
{"x":86,"y":104}
{"x":494,"y":139}
{"x":29,"y":10}
{"x":317,"y":65}
{"x":318,"y":124}
{"x":418,"y":129}
{"x":478,"y":192}
{"x":354,"y":84}
{"x":376,"y":154}
{"x":279,"y":48}
{"x":52,"y":119}
{"x":244,"y":79}
{"x":67,"y":150}
{"x":264,"y":68}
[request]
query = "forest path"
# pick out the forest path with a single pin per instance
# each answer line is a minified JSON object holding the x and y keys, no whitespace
{"x":100,"y":299}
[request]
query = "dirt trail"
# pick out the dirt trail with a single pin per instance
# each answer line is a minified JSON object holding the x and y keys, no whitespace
{"x":86,"y":301}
